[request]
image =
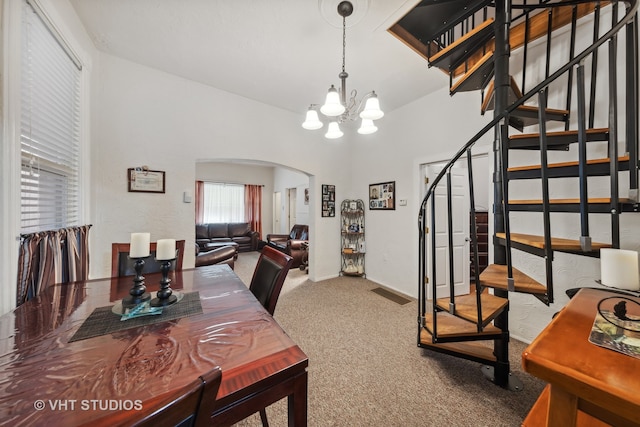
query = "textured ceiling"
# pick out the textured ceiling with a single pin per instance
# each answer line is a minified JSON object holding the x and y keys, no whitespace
{"x":284,"y":53}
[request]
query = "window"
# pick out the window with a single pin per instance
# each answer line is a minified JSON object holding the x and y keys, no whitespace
{"x":50,"y":126}
{"x":223,"y":203}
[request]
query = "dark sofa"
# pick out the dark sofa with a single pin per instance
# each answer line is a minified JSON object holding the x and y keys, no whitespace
{"x":239,"y":233}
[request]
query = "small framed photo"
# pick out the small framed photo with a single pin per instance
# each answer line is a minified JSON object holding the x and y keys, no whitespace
{"x":143,"y":180}
{"x":328,"y":200}
{"x":382,"y":196}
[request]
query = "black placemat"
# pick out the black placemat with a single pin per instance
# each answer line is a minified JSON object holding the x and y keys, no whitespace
{"x":103,"y":321}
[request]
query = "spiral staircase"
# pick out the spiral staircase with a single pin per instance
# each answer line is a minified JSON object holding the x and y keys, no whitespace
{"x":561,"y":80}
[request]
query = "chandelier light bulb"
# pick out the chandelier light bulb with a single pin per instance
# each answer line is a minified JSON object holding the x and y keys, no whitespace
{"x":333,"y":131}
{"x":372,"y":109}
{"x":312,"y":122}
{"x":367,"y":127}
{"x":332,"y":106}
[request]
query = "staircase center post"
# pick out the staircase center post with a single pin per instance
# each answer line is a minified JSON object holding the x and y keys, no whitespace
{"x":501,"y":83}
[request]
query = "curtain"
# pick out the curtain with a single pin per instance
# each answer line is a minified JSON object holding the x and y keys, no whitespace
{"x":50,"y":257}
{"x":253,"y":207}
{"x":199,"y":202}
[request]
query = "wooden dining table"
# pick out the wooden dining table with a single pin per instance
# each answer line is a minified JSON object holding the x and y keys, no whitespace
{"x":49,"y":377}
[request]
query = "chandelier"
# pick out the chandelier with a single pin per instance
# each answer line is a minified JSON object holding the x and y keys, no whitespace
{"x":336,"y":107}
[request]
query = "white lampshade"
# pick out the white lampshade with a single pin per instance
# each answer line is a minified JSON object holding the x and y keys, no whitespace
{"x":332,"y":106}
{"x":333,"y":131}
{"x":367,"y":127}
{"x":312,"y":122}
{"x":372,"y":109}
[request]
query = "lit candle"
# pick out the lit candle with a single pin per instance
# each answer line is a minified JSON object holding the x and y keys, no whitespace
{"x":139,"y":247}
{"x":166,"y":249}
{"x":619,"y":269}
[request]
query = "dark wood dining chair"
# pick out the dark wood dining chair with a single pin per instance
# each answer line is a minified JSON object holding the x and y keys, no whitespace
{"x":188,"y":410}
{"x":121,"y":265}
{"x":268,"y":277}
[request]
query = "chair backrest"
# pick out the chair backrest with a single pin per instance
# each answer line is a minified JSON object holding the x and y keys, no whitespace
{"x":193,"y":408}
{"x":268,"y":277}
{"x":122,"y":265}
{"x":211,"y":381}
{"x":299,"y":232}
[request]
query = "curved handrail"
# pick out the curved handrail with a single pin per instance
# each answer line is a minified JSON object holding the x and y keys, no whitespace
{"x":608,"y":35}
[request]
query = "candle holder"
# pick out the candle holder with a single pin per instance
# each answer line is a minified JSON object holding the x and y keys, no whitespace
{"x":138,"y":292}
{"x":164,"y":295}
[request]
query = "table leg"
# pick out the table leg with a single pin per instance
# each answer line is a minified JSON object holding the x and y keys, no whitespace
{"x":297,"y":402}
{"x":563,"y":407}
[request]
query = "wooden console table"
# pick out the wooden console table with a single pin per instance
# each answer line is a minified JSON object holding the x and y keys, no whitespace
{"x":588,"y":385}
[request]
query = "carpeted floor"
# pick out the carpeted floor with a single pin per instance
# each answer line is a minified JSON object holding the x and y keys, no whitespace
{"x":366,"y":370}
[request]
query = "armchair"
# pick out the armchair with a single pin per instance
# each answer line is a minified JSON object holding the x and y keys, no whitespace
{"x":292,"y":244}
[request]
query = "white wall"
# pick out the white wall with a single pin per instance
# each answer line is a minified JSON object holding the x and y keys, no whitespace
{"x":238,"y":173}
{"x":146,"y":117}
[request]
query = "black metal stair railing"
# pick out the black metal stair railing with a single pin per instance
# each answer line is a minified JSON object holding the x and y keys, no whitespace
{"x":501,"y":118}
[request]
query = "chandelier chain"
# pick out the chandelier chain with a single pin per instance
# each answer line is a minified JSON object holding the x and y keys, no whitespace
{"x":344,"y":40}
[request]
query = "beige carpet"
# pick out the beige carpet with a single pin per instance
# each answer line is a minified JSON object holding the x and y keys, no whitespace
{"x":365,"y":368}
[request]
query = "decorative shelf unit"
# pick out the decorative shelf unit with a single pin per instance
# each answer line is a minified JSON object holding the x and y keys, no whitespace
{"x":352,"y":238}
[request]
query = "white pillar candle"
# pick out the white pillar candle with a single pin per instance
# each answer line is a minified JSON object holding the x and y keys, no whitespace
{"x":619,"y":269}
{"x":166,"y":249}
{"x":139,"y":247}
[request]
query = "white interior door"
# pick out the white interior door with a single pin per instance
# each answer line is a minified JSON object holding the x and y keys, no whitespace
{"x":460,"y":231}
{"x":277,"y":209}
{"x":292,"y":197}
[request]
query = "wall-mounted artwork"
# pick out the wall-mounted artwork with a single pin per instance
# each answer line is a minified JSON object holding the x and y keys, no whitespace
{"x":328,"y":200}
{"x":382,"y":196}
{"x":143,"y":180}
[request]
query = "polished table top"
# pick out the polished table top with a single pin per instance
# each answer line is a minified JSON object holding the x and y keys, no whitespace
{"x":603,"y":380}
{"x":79,"y":382}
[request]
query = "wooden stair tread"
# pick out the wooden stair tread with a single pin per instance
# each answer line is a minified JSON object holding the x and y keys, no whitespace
{"x":450,"y":326}
{"x":595,"y":200}
{"x":527,"y":110}
{"x":567,"y":164}
{"x":488,"y":102}
{"x":475,"y":77}
{"x":537,"y":416}
{"x":556,"y":140}
{"x":563,"y":133}
{"x":495,"y":276}
{"x":474,"y":349}
{"x":452,"y":54}
{"x":537,"y":27}
{"x":466,"y":307}
{"x":557,"y":243}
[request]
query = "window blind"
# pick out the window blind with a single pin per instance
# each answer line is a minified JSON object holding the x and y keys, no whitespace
{"x":49,"y":128}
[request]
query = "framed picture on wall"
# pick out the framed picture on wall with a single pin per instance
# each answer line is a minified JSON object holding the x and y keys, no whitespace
{"x":328,"y":200}
{"x":382,"y":196}
{"x":143,"y":180}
